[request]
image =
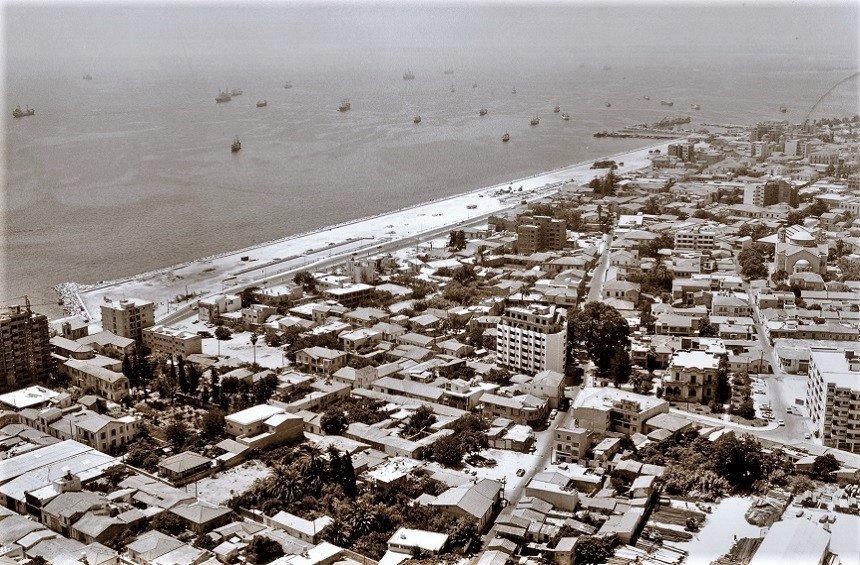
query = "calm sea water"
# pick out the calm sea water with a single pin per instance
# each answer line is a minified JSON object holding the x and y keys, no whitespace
{"x":132,"y":170}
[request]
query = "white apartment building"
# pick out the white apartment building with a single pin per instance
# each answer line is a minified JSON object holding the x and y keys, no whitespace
{"x":696,"y":239}
{"x":172,"y":341}
{"x":833,"y":396}
{"x":532,"y":339}
{"x":128,"y":317}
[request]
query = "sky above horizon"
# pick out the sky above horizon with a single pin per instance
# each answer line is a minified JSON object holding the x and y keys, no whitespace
{"x":415,"y":34}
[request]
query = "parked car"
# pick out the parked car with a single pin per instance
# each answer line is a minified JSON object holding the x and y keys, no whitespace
{"x":780,"y":422}
{"x":521,"y":472}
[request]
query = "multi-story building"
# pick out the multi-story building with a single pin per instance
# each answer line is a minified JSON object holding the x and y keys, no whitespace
{"x":531,"y":339}
{"x":539,"y":233}
{"x":691,"y":377}
{"x":683,"y":151}
{"x":128,"y":317}
{"x":697,"y":239}
{"x":833,"y":396}
{"x":612,"y":411}
{"x":771,"y":192}
{"x":25,"y":348}
{"x":571,"y":444}
{"x":102,"y":381}
{"x":172,"y":341}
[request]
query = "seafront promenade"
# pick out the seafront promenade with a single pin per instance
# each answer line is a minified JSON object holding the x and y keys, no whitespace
{"x":175,"y":289}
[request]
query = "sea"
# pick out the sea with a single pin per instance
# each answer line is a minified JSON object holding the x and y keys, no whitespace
{"x":132,"y":170}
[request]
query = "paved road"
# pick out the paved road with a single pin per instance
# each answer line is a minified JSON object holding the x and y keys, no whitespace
{"x":595,"y":290}
{"x":796,"y":426}
{"x":544,"y":448}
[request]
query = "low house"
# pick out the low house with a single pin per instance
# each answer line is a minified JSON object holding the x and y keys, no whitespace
{"x":320,"y":360}
{"x":523,"y":408}
{"x":310,"y":531}
{"x":478,"y":501}
{"x":183,"y":467}
{"x":201,"y":517}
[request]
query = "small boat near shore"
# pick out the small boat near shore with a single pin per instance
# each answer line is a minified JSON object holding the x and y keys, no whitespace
{"x":535,"y":121}
{"x":514,"y":91}
{"x":223,"y":96}
{"x":557,"y":109}
{"x":608,"y":104}
{"x":408,"y":75}
{"x":416,"y":120}
{"x":565,"y":117}
{"x":646,"y":97}
{"x":506,"y":137}
{"x":288,"y":85}
{"x":345,"y":106}
{"x":482,"y":112}
{"x":236,"y":92}
{"x":19,"y":113}
{"x":236,"y":146}
{"x":666,"y":103}
{"x":783,"y":109}
{"x":262,"y":104}
{"x":695,"y":107}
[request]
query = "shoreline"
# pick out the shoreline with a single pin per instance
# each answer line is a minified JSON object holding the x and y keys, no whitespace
{"x":76,"y":297}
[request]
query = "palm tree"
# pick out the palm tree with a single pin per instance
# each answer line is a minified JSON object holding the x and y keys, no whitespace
{"x":254,"y":337}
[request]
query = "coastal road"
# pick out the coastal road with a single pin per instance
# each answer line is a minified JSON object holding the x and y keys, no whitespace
{"x":392,"y":230}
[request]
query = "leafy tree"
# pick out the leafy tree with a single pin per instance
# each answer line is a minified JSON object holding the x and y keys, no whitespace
{"x":723,"y":391}
{"x":306,"y":280}
{"x":650,"y":361}
{"x":448,"y":451}
{"x":176,"y":433}
{"x":333,"y":422}
{"x":746,"y":409}
{"x":594,"y":549}
{"x":707,"y":329}
{"x":193,"y":376}
{"x":263,"y":550}
{"x":457,"y":240}
{"x":128,"y":368}
{"x":213,"y":424}
{"x":342,"y":471}
{"x":422,"y":419}
{"x":739,"y":461}
{"x":182,"y":376}
{"x":167,"y":523}
{"x":222,"y":333}
{"x":620,"y":368}
{"x":823,"y":467}
{"x":601,"y":330}
{"x":263,"y":389}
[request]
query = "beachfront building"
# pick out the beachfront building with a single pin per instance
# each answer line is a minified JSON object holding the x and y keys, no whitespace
{"x":25,"y":348}
{"x":105,"y":382}
{"x":531,"y":338}
{"x":172,"y":341}
{"x":128,"y":317}
{"x":539,"y":233}
{"x":833,"y":396}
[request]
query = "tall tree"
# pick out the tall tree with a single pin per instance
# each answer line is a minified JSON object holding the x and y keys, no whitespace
{"x":601,"y":330}
{"x":723,"y":391}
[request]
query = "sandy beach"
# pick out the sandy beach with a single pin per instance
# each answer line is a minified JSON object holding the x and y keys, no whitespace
{"x":274,"y":262}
